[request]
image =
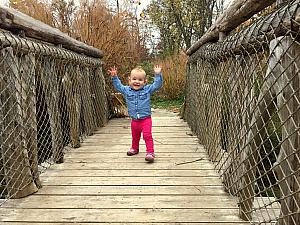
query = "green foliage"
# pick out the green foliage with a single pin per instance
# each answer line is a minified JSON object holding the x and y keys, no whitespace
{"x":172,"y":105}
{"x":148,"y":67}
{"x":180,"y":22}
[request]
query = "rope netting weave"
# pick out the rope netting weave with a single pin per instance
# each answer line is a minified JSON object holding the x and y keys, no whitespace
{"x":50,"y":99}
{"x":243,"y":102}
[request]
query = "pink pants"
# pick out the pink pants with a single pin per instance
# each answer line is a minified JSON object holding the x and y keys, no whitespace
{"x":142,"y":126}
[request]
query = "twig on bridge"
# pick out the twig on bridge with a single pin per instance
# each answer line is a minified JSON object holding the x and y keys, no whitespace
{"x":177,"y":164}
{"x":158,"y":141}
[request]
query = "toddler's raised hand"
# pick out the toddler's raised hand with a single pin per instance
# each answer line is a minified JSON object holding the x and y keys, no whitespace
{"x":157,"y":69}
{"x":113,"y":71}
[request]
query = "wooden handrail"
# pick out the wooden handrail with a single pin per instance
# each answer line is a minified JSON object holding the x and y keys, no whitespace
{"x":13,"y":20}
{"x":238,"y":12}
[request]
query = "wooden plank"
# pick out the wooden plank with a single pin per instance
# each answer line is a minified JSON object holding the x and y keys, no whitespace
{"x":126,"y":130}
{"x":122,"y":202}
{"x":136,"y":165}
{"x":84,"y":190}
{"x":176,"y":156}
{"x":128,"y":173}
{"x":155,"y":123}
{"x":128,"y":141}
{"x":159,"y":135}
{"x":98,"y":183}
{"x":156,"y":214}
{"x":121,"y":148}
{"x":138,"y":181}
{"x":154,"y":126}
{"x":125,"y":144}
{"x":66,"y":223}
{"x":136,"y":159}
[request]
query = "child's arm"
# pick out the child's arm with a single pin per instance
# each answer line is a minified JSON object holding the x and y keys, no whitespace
{"x":158,"y":79}
{"x":116,"y":81}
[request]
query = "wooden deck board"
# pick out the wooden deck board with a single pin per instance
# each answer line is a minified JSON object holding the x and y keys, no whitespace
{"x":86,"y":190}
{"x":135,"y":215}
{"x":88,"y":223}
{"x":128,"y":173}
{"x":99,"y":184}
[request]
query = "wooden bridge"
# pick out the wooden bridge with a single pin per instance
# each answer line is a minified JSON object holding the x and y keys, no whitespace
{"x":238,"y":163}
{"x":98,"y":183}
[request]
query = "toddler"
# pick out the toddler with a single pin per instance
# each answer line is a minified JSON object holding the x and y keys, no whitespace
{"x":137,"y":96}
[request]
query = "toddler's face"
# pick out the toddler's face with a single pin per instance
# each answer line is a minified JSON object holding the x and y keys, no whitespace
{"x":137,"y":80}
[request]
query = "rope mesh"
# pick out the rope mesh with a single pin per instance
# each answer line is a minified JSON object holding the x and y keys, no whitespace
{"x":50,"y":99}
{"x":243,"y":102}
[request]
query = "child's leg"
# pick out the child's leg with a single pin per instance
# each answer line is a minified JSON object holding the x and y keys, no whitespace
{"x":136,"y":130}
{"x":147,"y":134}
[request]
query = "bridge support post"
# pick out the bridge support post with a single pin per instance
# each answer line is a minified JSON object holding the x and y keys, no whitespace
{"x":19,"y":172}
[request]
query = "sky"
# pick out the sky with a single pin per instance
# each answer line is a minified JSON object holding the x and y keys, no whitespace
{"x":3,"y":2}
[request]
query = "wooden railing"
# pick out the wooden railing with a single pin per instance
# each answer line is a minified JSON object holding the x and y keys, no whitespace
{"x":52,"y":95}
{"x":243,"y":101}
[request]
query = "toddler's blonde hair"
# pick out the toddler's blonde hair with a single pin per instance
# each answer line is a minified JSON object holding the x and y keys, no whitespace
{"x":139,"y":69}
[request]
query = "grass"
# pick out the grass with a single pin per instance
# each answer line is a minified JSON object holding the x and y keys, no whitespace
{"x":173,"y":105}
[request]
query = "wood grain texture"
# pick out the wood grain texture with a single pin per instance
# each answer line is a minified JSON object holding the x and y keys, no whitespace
{"x":238,"y":12}
{"x":12,"y":20}
{"x":98,"y":183}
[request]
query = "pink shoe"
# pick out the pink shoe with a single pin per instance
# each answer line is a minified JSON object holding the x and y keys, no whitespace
{"x":150,"y":157}
{"x":132,"y":152}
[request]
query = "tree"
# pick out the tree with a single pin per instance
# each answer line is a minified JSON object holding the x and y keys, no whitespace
{"x":182,"y":22}
{"x":37,"y":9}
{"x":63,"y":14}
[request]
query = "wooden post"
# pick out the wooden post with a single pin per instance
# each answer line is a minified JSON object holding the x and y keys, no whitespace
{"x":48,"y":76}
{"x":250,"y":154}
{"x":100,"y":100}
{"x":88,"y":110}
{"x":27,"y":65}
{"x":231,"y":167}
{"x":288,"y":165}
{"x":215,"y":83}
{"x":19,"y":179}
{"x":71,"y":85}
{"x":251,"y":134}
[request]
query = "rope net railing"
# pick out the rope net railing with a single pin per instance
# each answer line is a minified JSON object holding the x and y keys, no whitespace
{"x":50,"y":99}
{"x":243,"y":102}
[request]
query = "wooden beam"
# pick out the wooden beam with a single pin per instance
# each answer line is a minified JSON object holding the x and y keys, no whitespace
{"x":279,"y":23}
{"x":13,"y":20}
{"x":238,"y":12}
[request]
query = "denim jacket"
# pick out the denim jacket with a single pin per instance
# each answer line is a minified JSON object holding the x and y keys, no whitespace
{"x":138,"y":101}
